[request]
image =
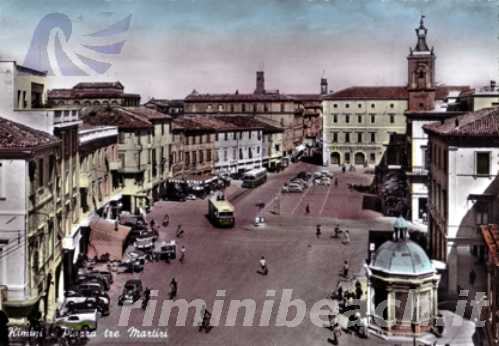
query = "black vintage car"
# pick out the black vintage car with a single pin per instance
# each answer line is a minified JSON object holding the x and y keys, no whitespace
{"x":90,"y":303}
{"x":132,"y":291}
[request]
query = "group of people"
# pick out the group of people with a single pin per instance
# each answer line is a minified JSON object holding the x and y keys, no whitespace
{"x":336,"y":233}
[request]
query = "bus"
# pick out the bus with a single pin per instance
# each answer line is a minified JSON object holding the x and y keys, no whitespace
{"x":220,"y":212}
{"x":254,"y":177}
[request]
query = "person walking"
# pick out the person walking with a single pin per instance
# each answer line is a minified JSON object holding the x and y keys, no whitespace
{"x":205,"y":320}
{"x":147,"y":295}
{"x":182,"y":254}
{"x":346,"y":239}
{"x":336,"y":182}
{"x":336,"y":232}
{"x":345,"y":269}
{"x":307,"y":209}
{"x":263,"y":266}
{"x":472,"y":277}
{"x":180,"y":232}
{"x":318,"y":231}
{"x":336,"y":334}
{"x":166,"y":220}
{"x":173,"y":289}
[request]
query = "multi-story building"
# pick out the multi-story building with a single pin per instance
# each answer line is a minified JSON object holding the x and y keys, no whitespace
{"x":30,"y":240}
{"x":271,"y":106}
{"x":464,"y":156}
{"x":192,"y":155}
{"x":93,"y":94}
{"x":143,"y":149}
{"x":358,"y":121}
{"x":272,"y":144}
{"x":23,"y":99}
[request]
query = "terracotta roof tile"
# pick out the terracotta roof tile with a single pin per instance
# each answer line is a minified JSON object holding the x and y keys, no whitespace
{"x":148,"y":113}
{"x":482,"y":123}
{"x":236,"y":97}
{"x":15,"y":137}
{"x":370,"y":93}
{"x":115,"y":116}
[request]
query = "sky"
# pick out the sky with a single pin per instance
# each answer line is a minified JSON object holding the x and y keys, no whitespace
{"x":170,"y":47}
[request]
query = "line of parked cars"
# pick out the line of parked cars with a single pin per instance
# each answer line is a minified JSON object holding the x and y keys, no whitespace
{"x":298,"y":183}
{"x":322,"y":177}
{"x":87,"y":301}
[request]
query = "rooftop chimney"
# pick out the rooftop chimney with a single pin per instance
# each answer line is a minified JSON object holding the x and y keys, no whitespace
{"x":260,"y":83}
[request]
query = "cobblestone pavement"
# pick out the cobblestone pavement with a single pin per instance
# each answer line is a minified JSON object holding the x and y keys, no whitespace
{"x":227,"y":259}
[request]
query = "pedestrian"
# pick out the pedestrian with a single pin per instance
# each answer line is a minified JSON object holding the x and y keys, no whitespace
{"x":346,"y":237}
{"x":472,"y":277}
{"x":336,"y":231}
{"x":307,"y":209}
{"x":182,"y":254}
{"x":147,"y":295}
{"x":205,"y":320}
{"x":263,"y":266}
{"x":318,"y":231}
{"x":180,"y":232}
{"x":343,"y":168}
{"x":332,"y":320}
{"x":358,"y":290}
{"x":166,"y":220}
{"x":336,"y":334}
{"x":173,"y":289}
{"x":336,"y":182}
{"x":345,"y":269}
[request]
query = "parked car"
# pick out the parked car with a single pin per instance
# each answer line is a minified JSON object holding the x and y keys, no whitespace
{"x":86,"y":278}
{"x":302,"y":182}
{"x":91,"y":291}
{"x":127,"y":267}
{"x":108,"y":276}
{"x":82,"y":321}
{"x":144,"y":243}
{"x":323,"y":181}
{"x":88,"y":303}
{"x":292,"y":187}
{"x":90,"y":284}
{"x":133,"y":255}
{"x":325,"y":173}
{"x":76,"y":297}
{"x":190,"y":197}
{"x":132,"y":291}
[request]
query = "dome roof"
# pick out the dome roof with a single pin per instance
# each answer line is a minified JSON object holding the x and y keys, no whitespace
{"x":402,"y":257}
{"x":400,"y":222}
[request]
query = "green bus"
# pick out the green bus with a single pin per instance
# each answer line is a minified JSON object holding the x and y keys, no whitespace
{"x":221,"y":212}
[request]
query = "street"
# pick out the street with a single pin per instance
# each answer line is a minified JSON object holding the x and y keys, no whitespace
{"x":227,"y":259}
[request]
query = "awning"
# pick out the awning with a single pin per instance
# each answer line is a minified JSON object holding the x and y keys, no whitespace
{"x":107,"y":237}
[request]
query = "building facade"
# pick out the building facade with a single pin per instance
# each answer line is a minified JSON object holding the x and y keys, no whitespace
{"x":358,"y":121}
{"x":478,"y":98}
{"x":270,"y":106}
{"x":24,"y":100}
{"x":30,"y":241}
{"x":93,"y":94}
{"x":463,"y":190}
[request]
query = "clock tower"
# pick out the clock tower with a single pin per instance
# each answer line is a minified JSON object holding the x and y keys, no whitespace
{"x":421,"y":73}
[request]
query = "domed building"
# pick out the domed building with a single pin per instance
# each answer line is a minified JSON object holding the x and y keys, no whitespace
{"x":402,"y":287}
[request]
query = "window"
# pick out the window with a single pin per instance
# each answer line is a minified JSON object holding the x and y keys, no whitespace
{"x":372,"y":105}
{"x":216,"y":136}
{"x":241,"y":135}
{"x":226,"y":136}
{"x":250,"y":153}
{"x":392,"y":119}
{"x":232,"y":108}
{"x":234,"y":154}
{"x":162,"y":129}
{"x":347,"y":158}
{"x":243,"y":107}
{"x":347,"y":118}
{"x":347,"y":106}
{"x":234,"y":134}
{"x":372,"y":157}
{"x":335,"y":118}
{"x":40,"y":173}
{"x":201,"y":156}
{"x":373,"y":137}
{"x":347,"y":137}
{"x":277,"y":147}
{"x":359,"y":137}
{"x":392,"y":105}
{"x":249,"y":134}
{"x":208,"y":155}
{"x":373,"y":118}
{"x":258,"y":150}
{"x":254,"y":108}
{"x":194,"y":159}
{"x":482,"y":163}
{"x":282,"y":107}
{"x":210,"y":108}
{"x":240,"y":153}
{"x":220,"y":108}
{"x":359,"y":118}
{"x":481,"y":212}
{"x":265,"y":107}
{"x":259,"y":135}
{"x":335,"y":137}
{"x":335,"y":105}
{"x":225,"y":154}
{"x":187,"y":158}
{"x":359,"y":105}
